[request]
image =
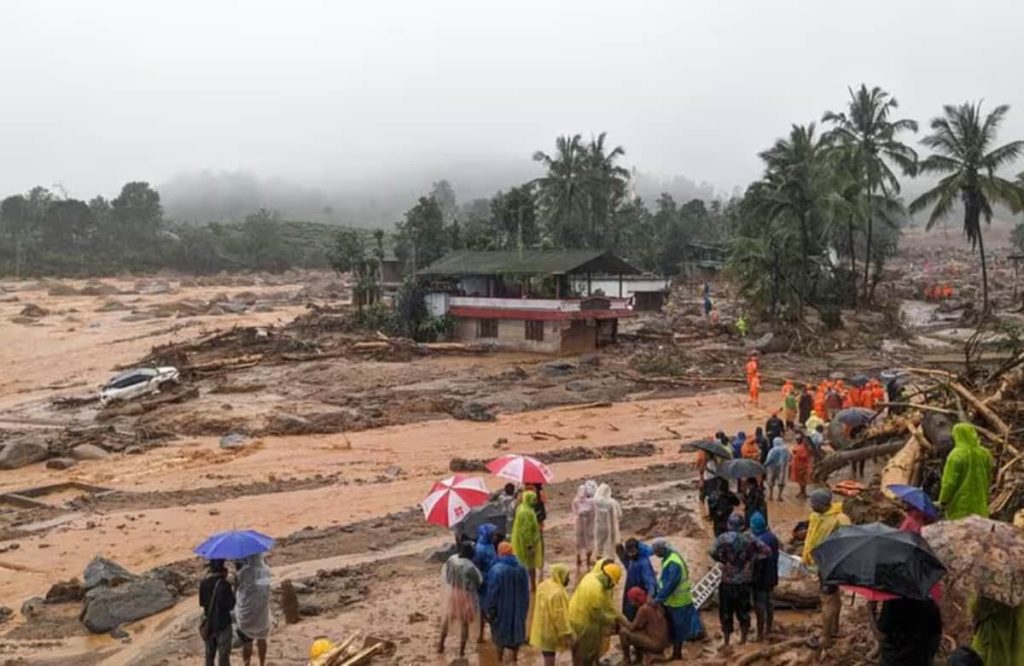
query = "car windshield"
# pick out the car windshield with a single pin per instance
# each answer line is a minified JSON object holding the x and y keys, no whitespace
{"x":131,"y":378}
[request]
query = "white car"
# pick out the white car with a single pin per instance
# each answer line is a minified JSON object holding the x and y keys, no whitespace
{"x":136,"y":383}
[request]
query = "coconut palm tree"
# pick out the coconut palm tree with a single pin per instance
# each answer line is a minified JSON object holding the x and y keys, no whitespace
{"x":605,"y":184}
{"x":968,"y":163}
{"x":867,"y":135}
{"x":799,"y":186}
{"x":562,"y":190}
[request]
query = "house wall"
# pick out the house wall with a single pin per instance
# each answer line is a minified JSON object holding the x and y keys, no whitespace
{"x":512,"y":335}
{"x":610,"y":286}
{"x":577,"y":337}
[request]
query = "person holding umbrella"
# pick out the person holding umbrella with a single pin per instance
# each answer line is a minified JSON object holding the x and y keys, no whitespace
{"x":825,"y":519}
{"x":917,"y":506}
{"x":217,"y":600}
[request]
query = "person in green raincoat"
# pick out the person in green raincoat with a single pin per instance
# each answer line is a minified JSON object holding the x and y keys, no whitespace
{"x":998,"y":628}
{"x":526,"y":538}
{"x":967,"y":476}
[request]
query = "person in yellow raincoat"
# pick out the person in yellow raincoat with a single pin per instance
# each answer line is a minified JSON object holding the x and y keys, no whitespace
{"x":550,"y":631}
{"x":526,"y":538}
{"x":966,"y":476}
{"x":813,"y":421}
{"x":825,"y":519}
{"x":592,"y":612}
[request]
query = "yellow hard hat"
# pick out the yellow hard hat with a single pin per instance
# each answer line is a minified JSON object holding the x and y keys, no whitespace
{"x":320,"y":647}
{"x":614,"y":573}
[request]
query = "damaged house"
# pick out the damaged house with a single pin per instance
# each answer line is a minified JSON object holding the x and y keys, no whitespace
{"x":534,"y":300}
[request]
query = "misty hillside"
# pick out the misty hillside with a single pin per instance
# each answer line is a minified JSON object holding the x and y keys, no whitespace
{"x":380,"y":201}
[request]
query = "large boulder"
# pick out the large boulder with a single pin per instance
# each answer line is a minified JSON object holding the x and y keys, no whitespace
{"x":22,"y":451}
{"x":109,"y":607}
{"x":101,"y":571}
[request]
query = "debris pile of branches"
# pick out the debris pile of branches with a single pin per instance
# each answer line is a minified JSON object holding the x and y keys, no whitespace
{"x":916,"y":437}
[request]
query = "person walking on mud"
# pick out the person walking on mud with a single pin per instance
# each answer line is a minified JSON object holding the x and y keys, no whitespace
{"x":583,"y":515}
{"x":217,"y":600}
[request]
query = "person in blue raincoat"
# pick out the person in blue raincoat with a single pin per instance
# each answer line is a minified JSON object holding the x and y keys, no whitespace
{"x":636,"y":558}
{"x":737,"y":444}
{"x":507,"y":602}
{"x":484,"y":557}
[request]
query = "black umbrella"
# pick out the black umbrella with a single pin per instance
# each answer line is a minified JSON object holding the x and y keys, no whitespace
{"x":491,"y":512}
{"x":741,"y":468}
{"x":859,"y":380}
{"x":856,"y":416}
{"x":881,"y":558}
{"x":713,"y":448}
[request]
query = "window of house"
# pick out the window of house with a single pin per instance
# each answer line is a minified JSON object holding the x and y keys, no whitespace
{"x":535,"y":330}
{"x":486,"y":328}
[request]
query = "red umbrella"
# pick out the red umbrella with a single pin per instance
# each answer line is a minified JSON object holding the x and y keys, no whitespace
{"x":522,"y":469}
{"x":451,"y":499}
{"x":877,"y":595}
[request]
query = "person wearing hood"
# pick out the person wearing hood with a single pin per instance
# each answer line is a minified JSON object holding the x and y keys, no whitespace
{"x":674,"y":595}
{"x":751,"y":449}
{"x":777,"y":463}
{"x":737,"y":444}
{"x":526,"y":537}
{"x":826,"y":517}
{"x":737,"y":552}
{"x":766,"y":576}
{"x":607,"y":514}
{"x":814,"y":421}
{"x":252,"y":607}
{"x":592,"y":612}
{"x":507,"y":602}
{"x":460,"y":600}
{"x":636,"y":557}
{"x":484,"y":557}
{"x":550,"y":632}
{"x":721,"y":502}
{"x":966,"y":477}
{"x":583,"y":515}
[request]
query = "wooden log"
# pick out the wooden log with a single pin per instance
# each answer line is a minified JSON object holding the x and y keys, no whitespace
{"x":289,"y":602}
{"x":766,"y":653}
{"x":840,"y":459}
{"x":900,"y":468}
{"x":984,"y":410}
{"x":363,"y":656}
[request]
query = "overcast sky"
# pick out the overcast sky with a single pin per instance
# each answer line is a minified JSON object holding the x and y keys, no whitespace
{"x":95,"y":93}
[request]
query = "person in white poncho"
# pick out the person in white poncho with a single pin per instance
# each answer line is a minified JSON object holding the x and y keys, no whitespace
{"x":607,"y":514}
{"x":252,"y":607}
{"x":583,"y":511}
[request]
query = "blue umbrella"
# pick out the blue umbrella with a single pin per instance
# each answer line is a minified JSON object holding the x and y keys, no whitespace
{"x":234,"y":545}
{"x":916,"y":498}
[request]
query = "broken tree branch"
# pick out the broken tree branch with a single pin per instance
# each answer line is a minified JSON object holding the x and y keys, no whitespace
{"x":840,"y":459}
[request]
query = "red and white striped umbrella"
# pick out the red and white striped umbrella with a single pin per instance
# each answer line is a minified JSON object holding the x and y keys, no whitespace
{"x":522,"y":469}
{"x":451,"y":499}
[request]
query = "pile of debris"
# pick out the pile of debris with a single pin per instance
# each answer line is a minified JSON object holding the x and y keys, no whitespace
{"x":68,"y":447}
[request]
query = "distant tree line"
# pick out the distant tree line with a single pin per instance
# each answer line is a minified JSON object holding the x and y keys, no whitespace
{"x":42,"y":233}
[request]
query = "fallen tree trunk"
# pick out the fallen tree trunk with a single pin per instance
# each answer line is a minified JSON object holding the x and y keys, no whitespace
{"x":901,"y":467}
{"x":840,"y":459}
{"x":767,"y":653}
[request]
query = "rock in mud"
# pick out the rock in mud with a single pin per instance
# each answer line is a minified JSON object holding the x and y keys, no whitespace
{"x":34,"y":311}
{"x":592,"y":360}
{"x":474,"y":411}
{"x":6,"y":613}
{"x":101,"y":571}
{"x":309,"y":610}
{"x":234,"y":440}
{"x":109,"y":607}
{"x":441,"y":555}
{"x":89,"y":452}
{"x":65,"y":591}
{"x":466,"y":465}
{"x":558,"y":368}
{"x":32,"y":607}
{"x":61,"y":463}
{"x":62,"y":290}
{"x":769,"y":343}
{"x":417,"y":617}
{"x":22,"y":451}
